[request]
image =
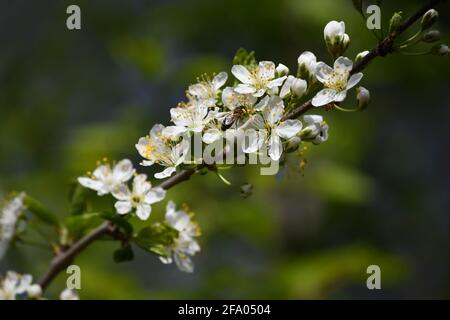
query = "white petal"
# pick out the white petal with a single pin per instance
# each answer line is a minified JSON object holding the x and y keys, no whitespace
{"x":173,"y":132}
{"x":289,"y":128}
{"x":198,"y":90}
{"x":219,"y":80}
{"x":143,"y":211}
{"x":140,"y":184}
{"x":323,"y":97}
{"x":211,"y":135}
{"x":354,"y":79}
{"x":102,"y":172}
{"x":276,"y":83}
{"x":123,"y":207}
{"x":263,"y":103}
{"x":147,"y":163}
{"x":165,"y":173}
{"x":259,"y":93}
{"x":286,"y":88}
{"x":275,"y":147}
{"x":155,"y":195}
{"x":244,"y":88}
{"x":242,"y":74}
{"x":266,"y":70}
{"x":313,"y":119}
{"x":121,"y":192}
{"x":323,"y":72}
{"x":123,"y":171}
{"x":253,"y":141}
{"x":343,"y":63}
{"x":184,"y":263}
{"x":91,"y":183}
{"x":340,"y":96}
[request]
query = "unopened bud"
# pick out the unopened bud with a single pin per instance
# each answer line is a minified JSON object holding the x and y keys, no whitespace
{"x":282,"y":70}
{"x":345,"y":43}
{"x":293,"y":144}
{"x":429,"y":18}
{"x":34,"y":291}
{"x":246,"y":190}
{"x":440,"y":50}
{"x":363,"y":97}
{"x":361,"y":55}
{"x":299,"y":87}
{"x":307,"y":62}
{"x":431,"y":36}
{"x":335,"y":37}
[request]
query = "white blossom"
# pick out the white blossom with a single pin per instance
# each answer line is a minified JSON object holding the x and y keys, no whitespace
{"x":14,"y":284}
{"x":271,"y":128}
{"x":158,"y":147}
{"x":293,"y":85}
{"x":192,"y":116}
{"x":307,"y":63}
{"x":9,"y":216}
{"x":363,"y":97}
{"x":185,"y":245}
{"x":140,"y":197}
{"x":68,"y":294}
{"x":104,"y":179}
{"x":316,"y":130}
{"x":258,"y":80}
{"x":207,"y":91}
{"x":337,"y":81}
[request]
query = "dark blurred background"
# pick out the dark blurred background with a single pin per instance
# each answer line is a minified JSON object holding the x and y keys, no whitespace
{"x":376,"y":192}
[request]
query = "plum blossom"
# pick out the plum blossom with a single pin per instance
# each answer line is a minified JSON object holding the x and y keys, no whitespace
{"x":140,"y":197}
{"x":160,"y":148}
{"x":316,"y":129}
{"x":14,"y":285}
{"x":207,"y":91}
{"x":185,"y":245}
{"x":104,"y":178}
{"x":192,"y":116}
{"x":337,"y":81}
{"x":293,"y":85}
{"x":257,"y":80}
{"x":271,"y":128}
{"x":9,"y":216}
{"x":335,"y":37}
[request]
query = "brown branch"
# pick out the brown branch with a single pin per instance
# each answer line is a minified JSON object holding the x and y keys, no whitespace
{"x":62,"y":259}
{"x":382,"y":49}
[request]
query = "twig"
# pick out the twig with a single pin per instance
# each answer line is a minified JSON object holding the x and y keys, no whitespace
{"x":62,"y":259}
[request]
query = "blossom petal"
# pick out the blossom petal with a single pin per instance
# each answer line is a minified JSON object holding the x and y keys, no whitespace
{"x":184,"y":263}
{"x":354,"y":79}
{"x":143,"y":211}
{"x":343,"y":63}
{"x":323,"y":72}
{"x":155,"y":195}
{"x":340,"y":96}
{"x":219,"y":80}
{"x":123,"y":171}
{"x":165,"y":173}
{"x":242,"y":74}
{"x":286,"y":88}
{"x":276,"y":82}
{"x":211,"y":135}
{"x":244,"y":88}
{"x":140,"y":184}
{"x":275,"y":148}
{"x":123,"y":207}
{"x":323,"y":97}
{"x":121,"y":192}
{"x":266,"y":70}
{"x":198,"y":90}
{"x":289,"y":128}
{"x":93,"y":184}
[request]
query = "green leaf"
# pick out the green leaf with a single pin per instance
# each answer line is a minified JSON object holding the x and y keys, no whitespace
{"x":155,"y":238}
{"x":119,"y":221}
{"x":79,"y":224}
{"x":78,"y":199}
{"x":245,"y":58}
{"x":40,"y":211}
{"x":124,"y":254}
{"x":395,"y":21}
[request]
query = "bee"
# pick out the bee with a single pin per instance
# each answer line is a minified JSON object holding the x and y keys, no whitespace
{"x":236,"y":115}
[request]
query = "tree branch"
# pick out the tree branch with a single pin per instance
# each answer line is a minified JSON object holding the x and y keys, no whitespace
{"x":62,"y":259}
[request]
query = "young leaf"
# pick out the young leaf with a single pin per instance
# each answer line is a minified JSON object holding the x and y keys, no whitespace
{"x":395,"y":21}
{"x":40,"y":211}
{"x":78,"y":199}
{"x":79,"y":224}
{"x":245,"y":58}
{"x":119,"y":221}
{"x":124,"y":254}
{"x":155,"y":238}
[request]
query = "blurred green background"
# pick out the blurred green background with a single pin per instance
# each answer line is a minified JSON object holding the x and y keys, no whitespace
{"x":376,"y":192}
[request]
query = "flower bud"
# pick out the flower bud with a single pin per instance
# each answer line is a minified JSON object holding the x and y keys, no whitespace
{"x":361,"y":55}
{"x":293,"y":144}
{"x":34,"y":291}
{"x":429,"y":18}
{"x":299,"y":87}
{"x":307,"y":62}
{"x":431,"y":36}
{"x":335,"y":37}
{"x":316,"y":131}
{"x":440,"y":50}
{"x":363,"y":97}
{"x":246,"y":190}
{"x":282,"y":70}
